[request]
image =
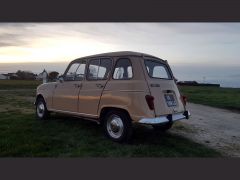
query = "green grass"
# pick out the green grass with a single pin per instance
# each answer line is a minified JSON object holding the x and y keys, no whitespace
{"x":19,"y":84}
{"x":228,"y":98}
{"x":21,"y":135}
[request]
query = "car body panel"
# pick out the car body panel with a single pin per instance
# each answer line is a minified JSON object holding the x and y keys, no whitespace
{"x":65,"y":96}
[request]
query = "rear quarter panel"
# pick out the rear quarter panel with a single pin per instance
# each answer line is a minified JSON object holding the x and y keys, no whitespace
{"x":128,"y":94}
{"x":161,"y":107}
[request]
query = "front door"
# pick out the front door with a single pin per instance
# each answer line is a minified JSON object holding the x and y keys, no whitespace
{"x":66,"y":93}
{"x":97,"y":75}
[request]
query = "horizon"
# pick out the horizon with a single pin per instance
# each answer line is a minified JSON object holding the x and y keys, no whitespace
{"x":183,"y":72}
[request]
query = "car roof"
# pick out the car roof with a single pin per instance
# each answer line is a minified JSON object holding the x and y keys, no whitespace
{"x":119,"y":53}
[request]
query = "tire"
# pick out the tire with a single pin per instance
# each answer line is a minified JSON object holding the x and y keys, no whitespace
{"x":162,"y":127}
{"x":117,"y":126}
{"x":41,"y":109}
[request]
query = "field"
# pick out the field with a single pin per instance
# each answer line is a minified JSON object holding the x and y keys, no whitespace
{"x":18,"y":84}
{"x":21,"y":135}
{"x":227,"y":98}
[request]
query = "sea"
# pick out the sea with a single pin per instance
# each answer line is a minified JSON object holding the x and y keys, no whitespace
{"x":225,"y":75}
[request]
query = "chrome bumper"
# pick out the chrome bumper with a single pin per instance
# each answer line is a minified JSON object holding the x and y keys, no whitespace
{"x":166,"y":118}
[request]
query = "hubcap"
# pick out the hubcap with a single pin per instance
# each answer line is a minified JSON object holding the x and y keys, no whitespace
{"x":40,"y":109}
{"x":115,"y":126}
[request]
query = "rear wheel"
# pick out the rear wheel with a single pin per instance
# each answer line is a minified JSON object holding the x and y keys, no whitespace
{"x":41,"y":109}
{"x":162,"y":127}
{"x":117,"y":125}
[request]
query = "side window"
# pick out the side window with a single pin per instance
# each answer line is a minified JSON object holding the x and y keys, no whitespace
{"x":70,"y":75}
{"x":99,"y":69}
{"x":93,"y":69}
{"x":104,"y":68}
{"x":80,"y":71}
{"x":123,"y":69}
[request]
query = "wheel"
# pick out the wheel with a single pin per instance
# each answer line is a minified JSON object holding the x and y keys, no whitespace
{"x":162,"y":127}
{"x":41,"y":109}
{"x":118,"y":126}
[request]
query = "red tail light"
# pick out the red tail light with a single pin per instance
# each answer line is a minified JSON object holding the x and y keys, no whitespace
{"x":184,"y":100}
{"x":150,"y":101}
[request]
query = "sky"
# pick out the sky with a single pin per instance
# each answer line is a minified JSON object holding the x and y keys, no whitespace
{"x":196,"y":51}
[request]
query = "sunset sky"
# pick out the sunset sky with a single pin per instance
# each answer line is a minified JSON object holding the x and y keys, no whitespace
{"x":182,"y":44}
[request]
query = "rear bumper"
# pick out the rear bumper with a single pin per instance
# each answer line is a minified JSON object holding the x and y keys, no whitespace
{"x":166,"y":118}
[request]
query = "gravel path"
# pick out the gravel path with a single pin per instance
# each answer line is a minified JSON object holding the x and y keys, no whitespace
{"x":214,"y":127}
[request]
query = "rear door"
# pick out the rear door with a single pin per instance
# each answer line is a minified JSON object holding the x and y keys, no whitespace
{"x":98,"y":72}
{"x":162,"y":87}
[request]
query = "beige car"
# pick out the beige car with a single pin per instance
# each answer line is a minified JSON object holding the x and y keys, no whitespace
{"x":116,"y":90}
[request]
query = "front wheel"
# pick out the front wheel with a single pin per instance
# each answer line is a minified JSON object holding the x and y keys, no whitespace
{"x":117,"y":126}
{"x":41,"y":109}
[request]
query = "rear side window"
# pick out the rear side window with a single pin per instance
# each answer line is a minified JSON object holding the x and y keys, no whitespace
{"x":123,"y":69}
{"x":99,"y":69}
{"x":104,"y":68}
{"x":157,"y":70}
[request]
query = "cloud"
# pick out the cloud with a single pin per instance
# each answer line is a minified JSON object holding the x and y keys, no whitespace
{"x":174,"y":41}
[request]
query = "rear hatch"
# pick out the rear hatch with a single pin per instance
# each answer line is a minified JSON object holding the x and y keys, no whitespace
{"x":167,"y":99}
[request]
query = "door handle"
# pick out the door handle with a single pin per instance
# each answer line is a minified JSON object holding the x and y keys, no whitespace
{"x":99,"y":85}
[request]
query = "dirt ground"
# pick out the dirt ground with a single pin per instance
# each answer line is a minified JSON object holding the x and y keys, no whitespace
{"x":214,"y":127}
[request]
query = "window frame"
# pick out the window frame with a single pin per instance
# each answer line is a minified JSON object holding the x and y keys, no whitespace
{"x":116,"y":65}
{"x":99,"y":59}
{"x":84,"y":75}
{"x":157,"y":61}
{"x":69,"y":66}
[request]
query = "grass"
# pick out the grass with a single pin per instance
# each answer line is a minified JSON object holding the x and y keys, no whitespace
{"x":227,"y":98}
{"x":19,"y":84}
{"x":21,"y":135}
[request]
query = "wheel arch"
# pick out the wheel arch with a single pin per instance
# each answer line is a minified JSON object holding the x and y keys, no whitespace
{"x":39,"y":96}
{"x":104,"y":110}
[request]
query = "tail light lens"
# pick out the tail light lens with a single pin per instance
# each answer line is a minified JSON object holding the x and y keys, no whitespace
{"x":150,"y":101}
{"x":184,"y":100}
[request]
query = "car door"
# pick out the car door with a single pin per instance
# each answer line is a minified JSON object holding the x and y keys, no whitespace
{"x":98,"y":72}
{"x":66,"y":93}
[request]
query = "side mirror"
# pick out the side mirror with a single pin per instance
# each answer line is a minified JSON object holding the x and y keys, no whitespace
{"x":60,"y":79}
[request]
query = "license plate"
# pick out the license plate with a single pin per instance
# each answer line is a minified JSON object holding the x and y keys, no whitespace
{"x":170,"y":100}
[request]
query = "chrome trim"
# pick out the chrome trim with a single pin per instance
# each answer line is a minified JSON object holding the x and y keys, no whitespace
{"x":164,"y":119}
{"x":74,"y":113}
{"x":125,"y":90}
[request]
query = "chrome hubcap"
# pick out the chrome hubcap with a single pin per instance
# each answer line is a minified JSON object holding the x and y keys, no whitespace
{"x":115,"y":126}
{"x":40,"y":109}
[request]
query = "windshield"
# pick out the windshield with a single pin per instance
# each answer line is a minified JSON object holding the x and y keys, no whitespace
{"x":157,"y":69}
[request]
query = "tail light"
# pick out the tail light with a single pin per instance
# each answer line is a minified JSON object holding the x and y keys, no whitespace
{"x":150,"y":101}
{"x":184,"y":100}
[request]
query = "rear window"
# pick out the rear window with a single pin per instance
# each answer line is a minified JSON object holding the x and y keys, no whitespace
{"x":157,"y":70}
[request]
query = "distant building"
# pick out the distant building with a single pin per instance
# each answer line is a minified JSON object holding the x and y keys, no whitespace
{"x":3,"y":77}
{"x":187,"y":83}
{"x":41,"y":75}
{"x":12,"y":75}
{"x":195,"y":83}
